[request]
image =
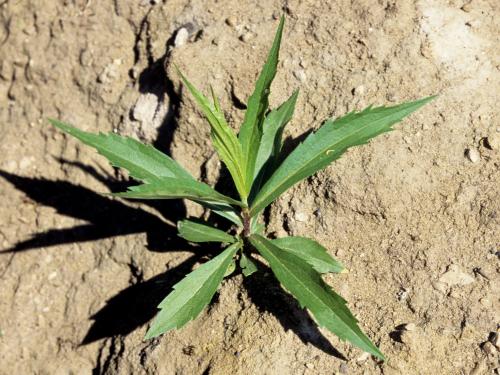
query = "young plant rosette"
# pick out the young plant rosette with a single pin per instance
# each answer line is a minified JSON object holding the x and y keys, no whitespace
{"x":261,"y":172}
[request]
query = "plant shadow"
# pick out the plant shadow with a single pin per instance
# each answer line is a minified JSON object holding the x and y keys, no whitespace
{"x":135,"y":305}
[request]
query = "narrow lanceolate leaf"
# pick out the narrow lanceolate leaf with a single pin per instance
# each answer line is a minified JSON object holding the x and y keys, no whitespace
{"x":270,"y":143}
{"x":311,"y":252}
{"x":223,"y":209}
{"x":196,"y":232}
{"x":251,"y":129}
{"x":247,"y":265}
{"x":223,"y":138}
{"x":306,"y":285}
{"x":143,"y":162}
{"x":192,"y":294}
{"x":328,"y":143}
{"x":176,"y":188}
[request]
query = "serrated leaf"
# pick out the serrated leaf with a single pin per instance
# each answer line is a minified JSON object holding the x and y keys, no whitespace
{"x":192,"y":294}
{"x":143,"y":162}
{"x":196,"y":232}
{"x":175,"y":188}
{"x":223,"y":138}
{"x":311,"y":252}
{"x":258,"y":103}
{"x":247,"y":265}
{"x":306,"y":285}
{"x":270,"y":143}
{"x":327,"y":144}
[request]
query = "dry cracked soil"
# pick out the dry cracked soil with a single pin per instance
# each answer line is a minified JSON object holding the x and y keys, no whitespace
{"x":414,"y":215}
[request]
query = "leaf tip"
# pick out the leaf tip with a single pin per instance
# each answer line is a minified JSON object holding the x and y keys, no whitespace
{"x":151,"y":333}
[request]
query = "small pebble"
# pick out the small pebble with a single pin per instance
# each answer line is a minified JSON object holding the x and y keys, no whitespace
{"x":145,"y":107}
{"x":343,"y":369}
{"x":485,"y":302}
{"x":467,"y":7}
{"x":410,"y":327}
{"x":489,"y":348}
{"x":309,"y":366}
{"x":358,"y":91}
{"x":363,"y":357}
{"x":493,"y":141}
{"x":473,"y":155}
{"x":300,"y":74}
{"x":402,"y":294}
{"x":454,"y":276}
{"x":246,"y":37}
{"x":181,"y":37}
{"x":231,"y":21}
{"x":301,"y":216}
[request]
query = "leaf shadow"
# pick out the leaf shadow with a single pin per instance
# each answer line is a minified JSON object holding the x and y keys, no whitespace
{"x":135,"y":305}
{"x":105,"y":216}
{"x":267,"y":294}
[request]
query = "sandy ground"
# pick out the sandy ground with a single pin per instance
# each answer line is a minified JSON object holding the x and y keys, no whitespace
{"x":414,"y":215}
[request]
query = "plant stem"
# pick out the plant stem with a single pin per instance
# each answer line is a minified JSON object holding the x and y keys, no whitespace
{"x":245,"y":215}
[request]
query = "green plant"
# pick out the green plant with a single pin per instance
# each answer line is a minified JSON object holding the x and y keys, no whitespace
{"x":253,"y":159}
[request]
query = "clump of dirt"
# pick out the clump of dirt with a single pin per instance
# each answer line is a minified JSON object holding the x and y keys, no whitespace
{"x":414,"y":215}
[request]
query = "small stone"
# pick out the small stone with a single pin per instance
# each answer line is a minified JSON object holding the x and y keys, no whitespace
{"x":489,"y":348}
{"x":467,"y":7}
{"x":246,"y":37}
{"x":181,"y":37}
{"x":25,"y":162}
{"x":391,"y":97}
{"x":301,"y":216}
{"x":410,"y":327}
{"x":110,"y":72}
{"x":473,"y":155}
{"x":300,"y":74}
{"x":454,"y":276}
{"x":145,"y":107}
{"x":402,"y":294}
{"x":358,"y":91}
{"x":485,"y":302}
{"x":231,"y":21}
{"x":309,"y":365}
{"x":363,"y":357}
{"x":493,"y":141}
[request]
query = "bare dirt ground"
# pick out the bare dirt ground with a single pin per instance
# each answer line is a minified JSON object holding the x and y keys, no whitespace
{"x":414,"y":215}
